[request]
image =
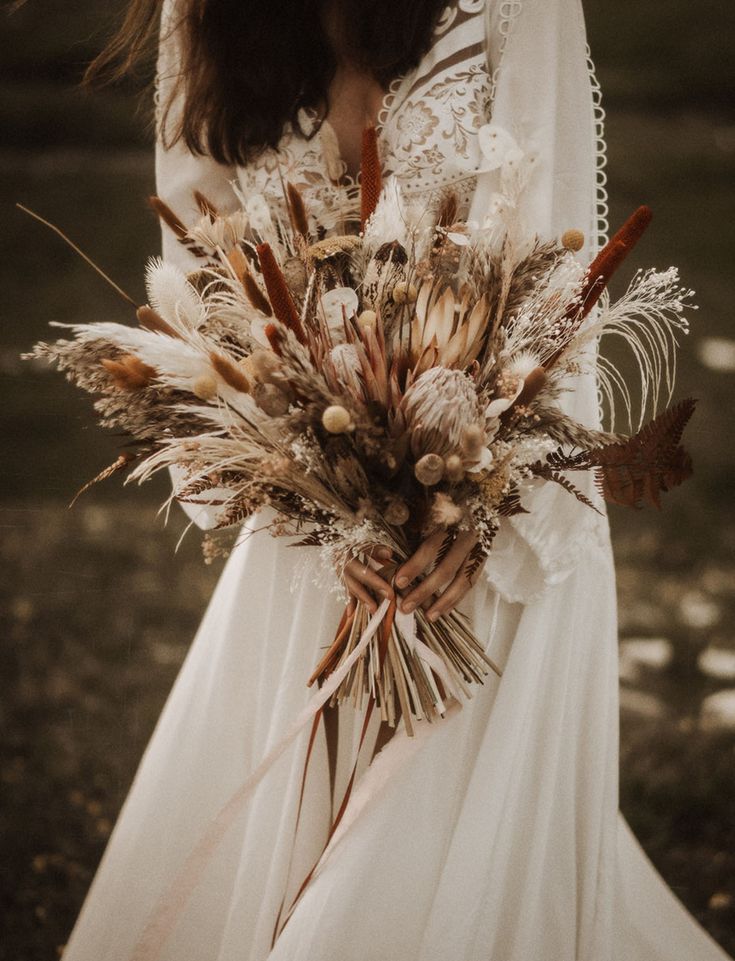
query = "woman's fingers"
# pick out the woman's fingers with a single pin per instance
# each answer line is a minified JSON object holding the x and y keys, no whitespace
{"x":369,"y":578}
{"x":449,"y":598}
{"x":463,"y":580}
{"x":421,"y":560}
{"x":361,"y":593}
{"x":444,"y":573}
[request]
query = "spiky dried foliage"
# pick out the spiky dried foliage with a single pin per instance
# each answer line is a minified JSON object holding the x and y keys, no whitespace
{"x":374,"y":389}
{"x":635,"y":471}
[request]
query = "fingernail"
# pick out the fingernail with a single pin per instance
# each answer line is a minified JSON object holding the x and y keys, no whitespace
{"x":433,"y":616}
{"x":408,"y":607}
{"x":401,"y":581}
{"x":387,"y":592}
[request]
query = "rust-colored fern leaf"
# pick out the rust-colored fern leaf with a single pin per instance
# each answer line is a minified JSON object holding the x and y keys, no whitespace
{"x":280,"y":296}
{"x":371,"y":178}
{"x":636,"y":471}
{"x":547,"y":472}
{"x":511,"y":504}
{"x":474,"y":561}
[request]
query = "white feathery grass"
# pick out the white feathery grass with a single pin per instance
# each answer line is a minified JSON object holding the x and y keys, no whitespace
{"x":539,"y":326}
{"x":649,"y":317}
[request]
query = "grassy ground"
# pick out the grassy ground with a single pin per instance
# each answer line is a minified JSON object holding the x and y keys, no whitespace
{"x":97,"y":610}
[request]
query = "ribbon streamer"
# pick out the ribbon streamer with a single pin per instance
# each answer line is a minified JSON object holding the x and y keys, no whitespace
{"x":165,"y":914}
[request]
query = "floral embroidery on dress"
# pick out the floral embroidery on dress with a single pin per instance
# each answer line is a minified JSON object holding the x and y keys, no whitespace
{"x":416,"y":122}
{"x":427,"y":128}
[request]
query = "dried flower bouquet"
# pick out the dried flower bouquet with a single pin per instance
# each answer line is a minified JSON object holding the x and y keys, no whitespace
{"x":375,"y":385}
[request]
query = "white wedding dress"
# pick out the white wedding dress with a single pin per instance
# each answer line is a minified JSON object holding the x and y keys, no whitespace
{"x":493,"y":835}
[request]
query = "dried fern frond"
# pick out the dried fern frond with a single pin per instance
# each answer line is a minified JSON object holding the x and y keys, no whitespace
{"x":635,"y":471}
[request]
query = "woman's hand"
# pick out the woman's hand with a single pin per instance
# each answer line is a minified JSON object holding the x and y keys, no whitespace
{"x":452,"y":577}
{"x":364,"y":583}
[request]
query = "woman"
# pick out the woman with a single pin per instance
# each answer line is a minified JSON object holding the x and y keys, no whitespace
{"x":493,"y":834}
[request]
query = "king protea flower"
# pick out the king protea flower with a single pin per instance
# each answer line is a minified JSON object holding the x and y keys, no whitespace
{"x":446,"y":329}
{"x":439,"y":409}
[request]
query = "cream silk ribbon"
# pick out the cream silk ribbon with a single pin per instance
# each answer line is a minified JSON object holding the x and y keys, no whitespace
{"x":165,"y":914}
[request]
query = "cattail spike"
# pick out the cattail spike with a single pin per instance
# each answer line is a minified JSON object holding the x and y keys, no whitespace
{"x":371,"y":180}
{"x":278,"y":292}
{"x":297,"y":211}
{"x":150,"y":319}
{"x":254,"y":294}
{"x":230,"y":373}
{"x":168,"y":216}
{"x":602,"y":269}
{"x":129,"y":372}
{"x":205,"y":205}
{"x":275,"y":338}
{"x":612,"y":255}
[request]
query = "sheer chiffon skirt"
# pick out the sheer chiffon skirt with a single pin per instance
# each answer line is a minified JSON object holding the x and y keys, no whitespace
{"x":490,"y":836}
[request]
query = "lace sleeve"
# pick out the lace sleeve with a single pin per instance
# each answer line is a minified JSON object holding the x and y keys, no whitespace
{"x":178,"y":173}
{"x":545,"y":94}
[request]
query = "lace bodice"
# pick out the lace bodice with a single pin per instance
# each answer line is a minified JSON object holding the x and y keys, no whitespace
{"x":427,"y":128}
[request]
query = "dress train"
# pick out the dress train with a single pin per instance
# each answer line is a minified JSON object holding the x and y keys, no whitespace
{"x":496,"y":835}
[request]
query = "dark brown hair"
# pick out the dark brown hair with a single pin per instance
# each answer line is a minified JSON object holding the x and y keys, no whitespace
{"x":248,"y":66}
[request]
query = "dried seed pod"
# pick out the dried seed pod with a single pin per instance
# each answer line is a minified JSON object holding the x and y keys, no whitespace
{"x":336,"y":419}
{"x":454,"y":468}
{"x":572,"y":240}
{"x":204,"y":387}
{"x":294,"y":270}
{"x":261,"y":365}
{"x":429,"y":470}
{"x":396,"y":512}
{"x":367,"y":319}
{"x":271,"y":400}
{"x":405,"y":293}
{"x":473,"y":439}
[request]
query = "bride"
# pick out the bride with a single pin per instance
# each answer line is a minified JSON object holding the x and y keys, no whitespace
{"x":494,"y":834}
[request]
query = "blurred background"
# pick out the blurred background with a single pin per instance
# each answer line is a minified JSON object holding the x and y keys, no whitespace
{"x":98,"y":607}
